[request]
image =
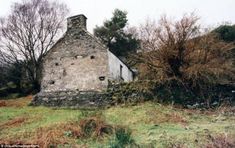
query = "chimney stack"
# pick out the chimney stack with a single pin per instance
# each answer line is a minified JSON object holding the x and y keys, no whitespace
{"x":76,"y":22}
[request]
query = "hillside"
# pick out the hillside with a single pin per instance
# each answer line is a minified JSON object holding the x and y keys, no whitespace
{"x":151,"y":125}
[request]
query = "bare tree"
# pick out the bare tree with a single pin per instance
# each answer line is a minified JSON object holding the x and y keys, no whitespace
{"x":148,"y":33}
{"x":29,"y":32}
{"x":167,"y":42}
{"x":183,"y":52}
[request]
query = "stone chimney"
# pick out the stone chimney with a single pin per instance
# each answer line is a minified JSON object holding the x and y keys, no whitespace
{"x":76,"y":22}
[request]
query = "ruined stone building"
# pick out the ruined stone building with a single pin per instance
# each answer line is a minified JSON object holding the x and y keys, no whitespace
{"x":79,"y":62}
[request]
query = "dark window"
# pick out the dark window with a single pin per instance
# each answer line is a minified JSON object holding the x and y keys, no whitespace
{"x":102,"y":78}
{"x":121,"y":67}
{"x":51,"y":82}
{"x":64,"y":72}
{"x":92,"y":57}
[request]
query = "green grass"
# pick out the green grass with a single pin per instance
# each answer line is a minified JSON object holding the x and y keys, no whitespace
{"x":151,"y":124}
{"x":143,"y":120}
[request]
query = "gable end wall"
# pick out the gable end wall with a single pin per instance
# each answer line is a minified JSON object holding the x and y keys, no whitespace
{"x":77,"y":63}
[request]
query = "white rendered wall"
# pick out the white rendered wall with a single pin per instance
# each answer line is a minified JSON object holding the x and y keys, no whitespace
{"x":114,"y":69}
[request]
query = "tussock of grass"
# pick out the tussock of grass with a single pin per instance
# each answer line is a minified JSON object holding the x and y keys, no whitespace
{"x":150,"y":124}
{"x":94,"y":127}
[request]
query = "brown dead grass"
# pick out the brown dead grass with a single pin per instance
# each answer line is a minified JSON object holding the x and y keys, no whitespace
{"x":15,"y":142}
{"x":87,"y":128}
{"x":55,"y":135}
{"x":14,"y":122}
{"x":2,"y":103}
{"x":21,"y":102}
{"x":95,"y":127}
{"x":225,"y":109}
{"x":221,"y":141}
{"x":92,"y":127}
{"x":74,"y":128}
{"x":50,"y":136}
{"x":46,"y":137}
{"x":157,"y":117}
{"x":176,"y":118}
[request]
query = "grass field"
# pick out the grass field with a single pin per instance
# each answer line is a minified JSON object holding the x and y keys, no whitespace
{"x":151,"y":125}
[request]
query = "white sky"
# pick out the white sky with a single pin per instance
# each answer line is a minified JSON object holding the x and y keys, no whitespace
{"x":212,"y":12}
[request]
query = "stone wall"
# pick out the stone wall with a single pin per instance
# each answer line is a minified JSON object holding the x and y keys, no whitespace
{"x":116,"y":94}
{"x":73,"y":99}
{"x":77,"y":21}
{"x":77,"y":70}
{"x":78,"y":62}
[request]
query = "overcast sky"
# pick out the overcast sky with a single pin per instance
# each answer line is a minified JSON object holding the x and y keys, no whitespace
{"x":212,"y":12}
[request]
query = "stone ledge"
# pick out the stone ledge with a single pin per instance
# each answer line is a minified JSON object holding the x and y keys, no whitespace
{"x":70,"y":99}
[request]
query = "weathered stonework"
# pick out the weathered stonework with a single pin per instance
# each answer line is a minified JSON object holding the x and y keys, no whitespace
{"x":78,"y":64}
{"x":116,"y":94}
{"x":69,"y":99}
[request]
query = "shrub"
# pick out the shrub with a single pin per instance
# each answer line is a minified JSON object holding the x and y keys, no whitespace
{"x":132,"y":93}
{"x":122,"y":139}
{"x":94,"y":127}
{"x":188,"y":65}
{"x":226,"y":32}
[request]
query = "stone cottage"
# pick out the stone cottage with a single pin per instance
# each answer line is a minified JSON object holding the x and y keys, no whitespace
{"x":78,"y":66}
